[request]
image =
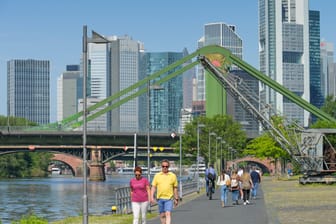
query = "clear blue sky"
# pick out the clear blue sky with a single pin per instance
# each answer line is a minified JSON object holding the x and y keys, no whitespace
{"x":52,"y":30}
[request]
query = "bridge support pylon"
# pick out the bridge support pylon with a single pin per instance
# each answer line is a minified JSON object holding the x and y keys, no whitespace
{"x":97,"y":171}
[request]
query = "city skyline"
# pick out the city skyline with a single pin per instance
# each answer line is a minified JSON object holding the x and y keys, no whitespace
{"x":53,"y":30}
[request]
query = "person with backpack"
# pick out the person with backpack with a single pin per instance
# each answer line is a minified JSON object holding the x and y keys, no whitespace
{"x":247,"y":184}
{"x":234,"y":187}
{"x":210,"y":175}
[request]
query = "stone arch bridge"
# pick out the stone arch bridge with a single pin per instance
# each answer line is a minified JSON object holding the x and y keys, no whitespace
{"x":267,"y":165}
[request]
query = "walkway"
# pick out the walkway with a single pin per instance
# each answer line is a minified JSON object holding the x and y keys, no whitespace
{"x":204,"y":211}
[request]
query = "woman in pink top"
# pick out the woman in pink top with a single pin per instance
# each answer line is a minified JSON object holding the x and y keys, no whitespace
{"x":139,"y":195}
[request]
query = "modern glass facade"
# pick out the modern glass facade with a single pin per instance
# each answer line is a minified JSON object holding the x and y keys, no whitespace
{"x":284,"y":54}
{"x":28,"y":89}
{"x":316,"y":96}
{"x":165,"y":102}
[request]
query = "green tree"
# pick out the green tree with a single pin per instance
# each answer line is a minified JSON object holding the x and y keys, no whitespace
{"x":223,"y":126}
{"x":263,"y":147}
{"x":27,"y":164}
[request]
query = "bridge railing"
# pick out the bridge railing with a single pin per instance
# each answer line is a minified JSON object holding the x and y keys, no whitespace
{"x":123,"y":196}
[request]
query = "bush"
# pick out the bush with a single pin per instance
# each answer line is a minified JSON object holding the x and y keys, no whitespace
{"x":31,"y":219}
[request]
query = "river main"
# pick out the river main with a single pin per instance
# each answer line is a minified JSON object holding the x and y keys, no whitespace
{"x":55,"y":198}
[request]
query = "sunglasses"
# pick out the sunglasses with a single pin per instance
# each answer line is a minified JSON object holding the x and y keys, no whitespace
{"x":137,"y":175}
{"x":165,"y":166}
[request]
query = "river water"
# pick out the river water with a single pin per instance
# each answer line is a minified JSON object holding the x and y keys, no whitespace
{"x":56,"y":198}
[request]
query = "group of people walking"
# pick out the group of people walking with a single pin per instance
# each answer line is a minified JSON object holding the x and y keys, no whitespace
{"x":164,"y":189}
{"x":164,"y":186}
{"x":242,"y":183}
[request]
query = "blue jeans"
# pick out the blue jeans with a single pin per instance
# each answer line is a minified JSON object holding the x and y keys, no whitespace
{"x":255,"y":189}
{"x":165,"y":205}
{"x":235,"y":194}
{"x":207,"y":186}
{"x":224,"y":192}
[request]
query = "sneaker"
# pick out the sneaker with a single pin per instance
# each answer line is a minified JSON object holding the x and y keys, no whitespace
{"x":247,"y":202}
{"x":244,"y":203}
{"x":254,"y":198}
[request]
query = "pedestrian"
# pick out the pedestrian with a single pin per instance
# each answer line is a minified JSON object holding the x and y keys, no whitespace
{"x":210,"y":175}
{"x":140,"y":192}
{"x":165,"y":183}
{"x":247,"y":184}
{"x":224,"y":183}
{"x":234,"y":186}
{"x":240,"y":173}
{"x":256,"y":179}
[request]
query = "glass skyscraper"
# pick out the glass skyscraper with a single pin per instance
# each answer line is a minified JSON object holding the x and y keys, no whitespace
{"x":28,"y":89}
{"x":166,"y":102}
{"x":284,"y":54}
{"x":316,"y":96}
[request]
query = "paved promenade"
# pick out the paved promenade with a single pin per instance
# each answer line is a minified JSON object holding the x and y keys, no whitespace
{"x":201,"y":210}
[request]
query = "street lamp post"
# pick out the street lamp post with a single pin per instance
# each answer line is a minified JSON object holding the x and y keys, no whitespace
{"x":96,"y":38}
{"x":210,"y":134}
{"x":222,"y":162}
{"x":85,"y":199}
{"x":198,"y":155}
{"x":180,"y":179}
{"x":218,"y":138}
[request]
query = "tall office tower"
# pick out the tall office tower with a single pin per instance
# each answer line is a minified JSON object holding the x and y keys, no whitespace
{"x":327,"y":69}
{"x":316,"y":96}
{"x":69,"y":91}
{"x":284,"y":54}
{"x":114,"y":66}
{"x":98,"y":75}
{"x":28,"y":89}
{"x":198,"y":103}
{"x":166,"y":101}
{"x":125,"y":70}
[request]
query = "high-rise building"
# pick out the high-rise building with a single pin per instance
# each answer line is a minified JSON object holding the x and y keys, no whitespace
{"x":327,"y":69}
{"x":69,"y":91}
{"x":28,"y":89}
{"x":284,"y":54}
{"x":126,"y":55}
{"x":166,"y":101}
{"x":112,"y":67}
{"x":316,"y":96}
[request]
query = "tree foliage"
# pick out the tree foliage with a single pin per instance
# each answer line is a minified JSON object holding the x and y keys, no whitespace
{"x":265,"y":146}
{"x":27,"y":164}
{"x":224,"y":126}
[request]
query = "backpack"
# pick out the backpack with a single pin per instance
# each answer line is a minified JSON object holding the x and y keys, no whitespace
{"x":211,"y":176}
{"x":234,"y":183}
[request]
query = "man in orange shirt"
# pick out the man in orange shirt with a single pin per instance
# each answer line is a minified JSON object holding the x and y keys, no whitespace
{"x":166,"y":185}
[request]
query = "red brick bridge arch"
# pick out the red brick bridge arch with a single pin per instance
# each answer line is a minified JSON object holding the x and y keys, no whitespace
{"x":266,"y":163}
{"x":75,"y":163}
